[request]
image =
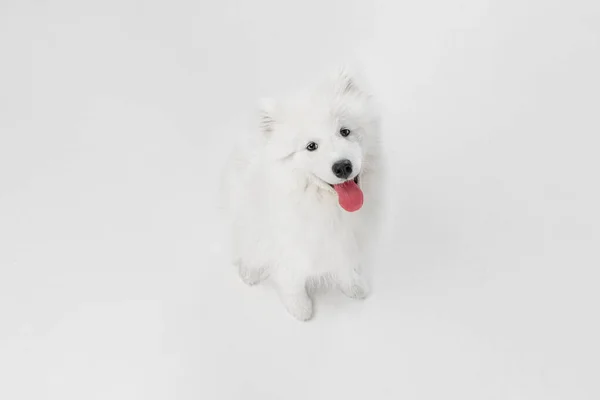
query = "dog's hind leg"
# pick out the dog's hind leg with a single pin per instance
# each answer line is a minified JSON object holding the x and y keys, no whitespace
{"x":250,"y":275}
{"x":244,"y":259}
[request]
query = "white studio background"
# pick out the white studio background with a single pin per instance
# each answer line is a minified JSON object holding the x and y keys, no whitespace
{"x":114,"y":119}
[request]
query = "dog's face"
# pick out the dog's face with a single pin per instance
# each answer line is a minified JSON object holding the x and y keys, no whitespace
{"x":322,"y":134}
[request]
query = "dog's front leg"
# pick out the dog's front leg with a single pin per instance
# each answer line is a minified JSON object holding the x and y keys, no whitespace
{"x":352,"y":284}
{"x":291,"y":286}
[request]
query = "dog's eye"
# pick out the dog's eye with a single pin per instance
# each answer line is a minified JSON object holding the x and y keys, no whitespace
{"x":344,"y":132}
{"x":312,"y":146}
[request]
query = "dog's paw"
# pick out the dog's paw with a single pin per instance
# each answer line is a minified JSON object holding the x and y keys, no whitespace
{"x":250,"y":276}
{"x":299,"y":306}
{"x":356,"y":289}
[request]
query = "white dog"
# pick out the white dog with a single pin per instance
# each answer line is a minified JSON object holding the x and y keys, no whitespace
{"x":295,"y":192}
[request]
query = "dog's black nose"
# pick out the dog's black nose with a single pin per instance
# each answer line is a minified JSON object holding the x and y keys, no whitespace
{"x":342,"y":169}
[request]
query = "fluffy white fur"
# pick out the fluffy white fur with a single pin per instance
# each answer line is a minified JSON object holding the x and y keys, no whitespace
{"x":286,"y":223}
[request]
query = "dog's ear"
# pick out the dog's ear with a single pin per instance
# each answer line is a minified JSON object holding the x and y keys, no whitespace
{"x":266,"y":116}
{"x":345,"y":81}
{"x":348,"y":81}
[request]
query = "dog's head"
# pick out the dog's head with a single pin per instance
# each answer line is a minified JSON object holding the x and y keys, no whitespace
{"x":323,"y":134}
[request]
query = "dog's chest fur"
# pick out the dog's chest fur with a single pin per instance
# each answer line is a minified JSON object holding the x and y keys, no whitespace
{"x":311,"y":231}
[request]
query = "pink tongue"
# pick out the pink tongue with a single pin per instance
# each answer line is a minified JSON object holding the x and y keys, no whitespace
{"x":350,"y":196}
